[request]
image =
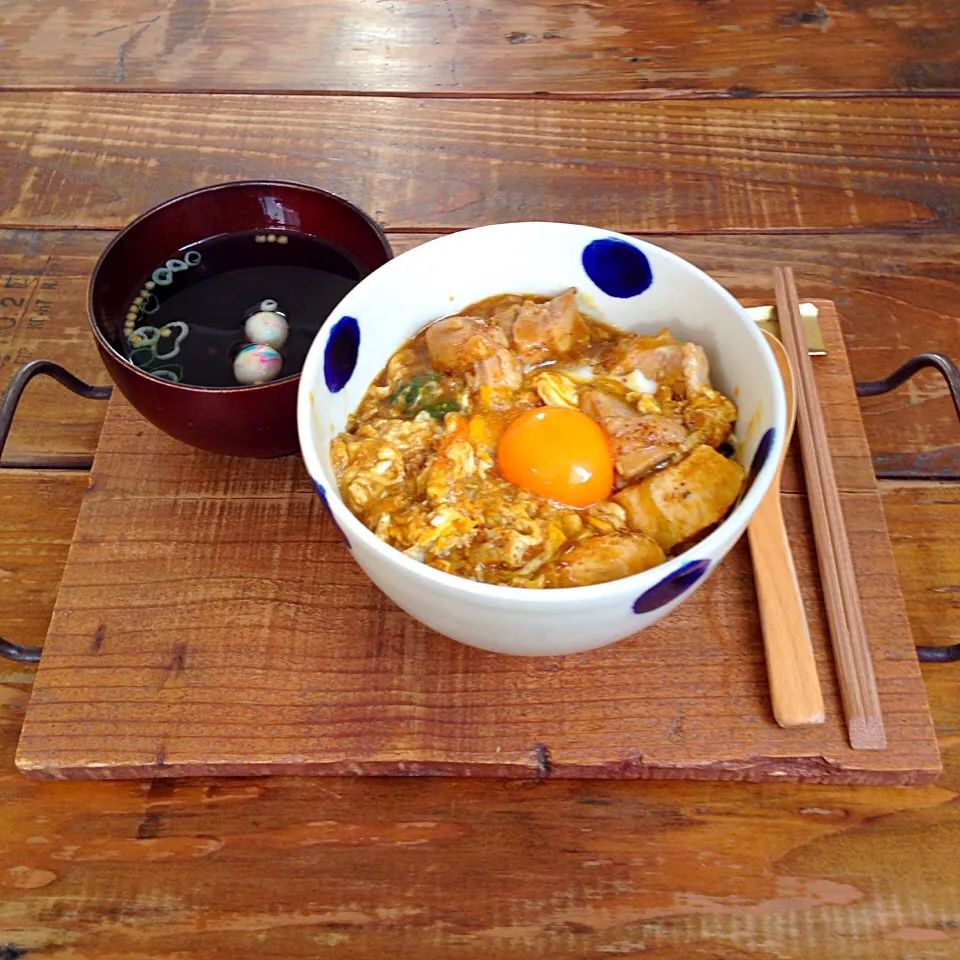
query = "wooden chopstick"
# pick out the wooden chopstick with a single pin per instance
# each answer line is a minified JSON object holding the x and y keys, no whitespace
{"x":851,"y":646}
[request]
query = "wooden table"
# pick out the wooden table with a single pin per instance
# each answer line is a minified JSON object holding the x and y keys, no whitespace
{"x":740,"y":135}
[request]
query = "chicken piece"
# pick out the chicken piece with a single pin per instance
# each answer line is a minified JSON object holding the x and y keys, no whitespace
{"x":506,"y":314}
{"x":402,"y":367}
{"x":548,"y":331}
{"x":468,"y":345}
{"x":496,"y":377}
{"x":682,"y":500}
{"x":707,"y":412}
{"x":366,"y":468}
{"x":695,"y":367}
{"x":638,"y":442}
{"x":572,"y":525}
{"x":456,"y":343}
{"x":710,"y":415}
{"x":658,"y":357}
{"x":603,"y":558}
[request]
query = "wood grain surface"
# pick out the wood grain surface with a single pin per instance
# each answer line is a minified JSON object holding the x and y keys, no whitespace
{"x":38,"y":511}
{"x":98,"y":160}
{"x":277,"y":654}
{"x":43,"y":315}
{"x":645,"y":48}
{"x":370,"y":867}
{"x":850,"y":641}
{"x":286,"y":866}
{"x":795,"y":695}
{"x":898,"y":295}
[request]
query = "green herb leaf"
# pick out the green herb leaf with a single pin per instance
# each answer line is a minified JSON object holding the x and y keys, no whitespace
{"x":438,"y":410}
{"x":409,"y":393}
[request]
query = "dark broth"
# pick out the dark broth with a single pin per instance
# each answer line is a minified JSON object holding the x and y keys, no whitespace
{"x":215,"y":284}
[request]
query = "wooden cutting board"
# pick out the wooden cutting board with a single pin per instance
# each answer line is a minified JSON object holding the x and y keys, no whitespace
{"x":210,"y":621}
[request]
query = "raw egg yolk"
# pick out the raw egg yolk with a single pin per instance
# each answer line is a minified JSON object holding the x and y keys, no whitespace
{"x":558,"y":453}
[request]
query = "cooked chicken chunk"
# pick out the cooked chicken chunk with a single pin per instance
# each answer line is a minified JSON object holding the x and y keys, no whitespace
{"x":402,"y":367}
{"x":505,"y":315}
{"x":603,"y":558}
{"x":456,"y":343}
{"x":638,"y":442}
{"x":497,"y":376}
{"x":683,"y":499}
{"x":695,"y":367}
{"x":710,"y":416}
{"x":708,"y":413}
{"x":467,"y":345}
{"x":547,"y":331}
{"x":658,"y":357}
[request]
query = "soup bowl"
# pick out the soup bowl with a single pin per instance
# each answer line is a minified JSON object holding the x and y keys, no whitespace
{"x":633,"y":285}
{"x":247,"y":421}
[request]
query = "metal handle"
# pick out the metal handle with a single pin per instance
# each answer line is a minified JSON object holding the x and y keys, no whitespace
{"x":8,"y":407}
{"x":872,"y":388}
{"x":868,"y":388}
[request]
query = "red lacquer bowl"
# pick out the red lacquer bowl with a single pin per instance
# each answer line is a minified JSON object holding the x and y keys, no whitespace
{"x":245,"y":421}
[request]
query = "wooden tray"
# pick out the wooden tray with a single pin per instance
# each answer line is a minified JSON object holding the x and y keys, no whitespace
{"x":210,"y":621}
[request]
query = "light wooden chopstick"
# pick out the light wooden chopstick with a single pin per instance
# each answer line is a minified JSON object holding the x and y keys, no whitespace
{"x":851,"y":646}
{"x":795,"y":693}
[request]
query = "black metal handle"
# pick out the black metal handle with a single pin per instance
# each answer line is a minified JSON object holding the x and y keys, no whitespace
{"x":872,"y":388}
{"x":868,"y":388}
{"x":8,"y":407}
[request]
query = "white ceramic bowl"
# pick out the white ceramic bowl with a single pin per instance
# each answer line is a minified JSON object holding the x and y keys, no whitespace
{"x":627,"y":282}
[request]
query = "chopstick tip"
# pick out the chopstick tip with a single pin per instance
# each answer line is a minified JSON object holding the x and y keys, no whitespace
{"x":867,"y":733}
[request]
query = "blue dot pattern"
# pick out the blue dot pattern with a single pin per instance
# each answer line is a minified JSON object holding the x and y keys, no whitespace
{"x":340,"y":356}
{"x":762,"y":453}
{"x":322,"y":494}
{"x":671,"y":587}
{"x":618,"y":268}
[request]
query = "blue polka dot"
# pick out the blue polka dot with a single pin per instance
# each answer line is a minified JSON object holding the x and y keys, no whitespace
{"x":322,"y":494}
{"x":340,"y":357}
{"x":762,"y":453}
{"x":618,"y":268}
{"x":671,"y":587}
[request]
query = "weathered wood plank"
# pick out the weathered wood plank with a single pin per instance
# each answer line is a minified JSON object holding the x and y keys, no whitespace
{"x":429,"y":869}
{"x":898,"y":295}
{"x":923,"y":520}
{"x":279,"y":656}
{"x":692,"y":871}
{"x":43,"y":315}
{"x":38,"y":511}
{"x":646,"y":48}
{"x":96,"y":160}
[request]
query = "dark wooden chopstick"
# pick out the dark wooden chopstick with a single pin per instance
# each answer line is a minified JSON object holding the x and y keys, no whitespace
{"x":851,"y":646}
